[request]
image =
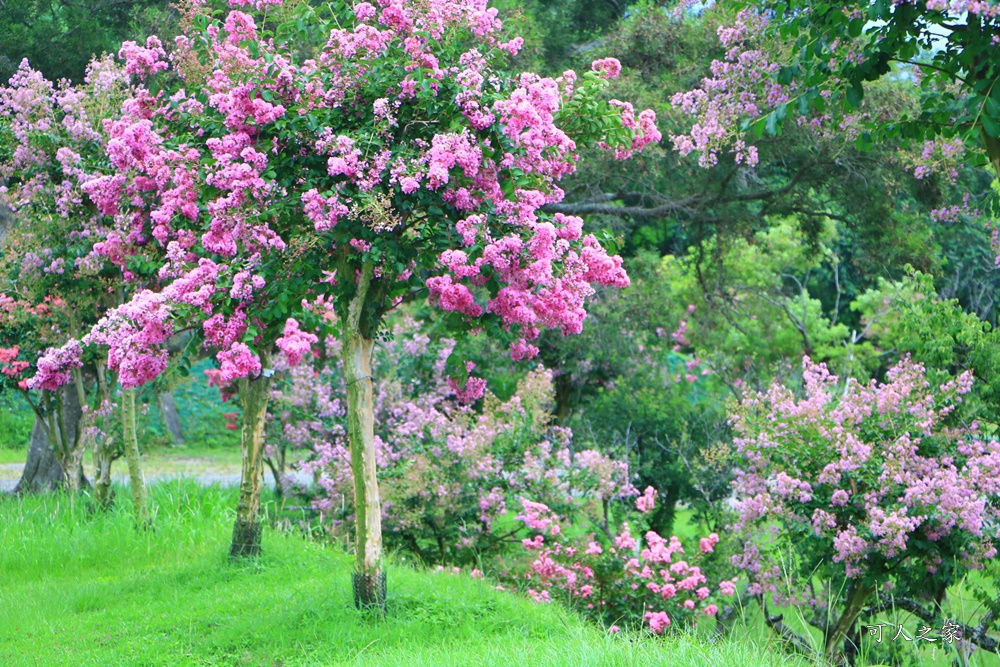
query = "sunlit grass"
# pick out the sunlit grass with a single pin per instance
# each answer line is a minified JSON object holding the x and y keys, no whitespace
{"x":83,"y":589}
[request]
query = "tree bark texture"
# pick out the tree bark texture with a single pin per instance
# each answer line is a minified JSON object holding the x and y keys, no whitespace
{"x":138,"y":483}
{"x":254,"y":393}
{"x":103,"y":450}
{"x":857,"y":598}
{"x":43,"y":470}
{"x":171,"y":418}
{"x":369,"y":576}
{"x":103,"y":457}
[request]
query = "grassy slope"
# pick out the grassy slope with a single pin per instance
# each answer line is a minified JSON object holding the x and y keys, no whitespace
{"x":78,"y":589}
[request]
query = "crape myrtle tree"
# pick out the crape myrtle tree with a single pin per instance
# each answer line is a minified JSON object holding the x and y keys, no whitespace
{"x":362,"y":154}
{"x":53,"y":285}
{"x":876,"y":493}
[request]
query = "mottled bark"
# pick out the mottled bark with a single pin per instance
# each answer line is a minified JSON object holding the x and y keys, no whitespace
{"x":368,"y":511}
{"x":369,"y":575}
{"x":171,"y":418}
{"x":131,"y":441}
{"x":857,"y":598}
{"x":254,"y":394}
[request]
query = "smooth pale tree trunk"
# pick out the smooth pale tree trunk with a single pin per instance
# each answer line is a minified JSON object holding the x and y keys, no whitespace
{"x":369,"y":574}
{"x":44,"y":471}
{"x":171,"y":418}
{"x":369,"y":577}
{"x":254,"y":394}
{"x":136,"y":480}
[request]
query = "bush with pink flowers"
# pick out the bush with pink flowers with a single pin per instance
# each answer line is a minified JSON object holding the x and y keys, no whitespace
{"x":856,"y":489}
{"x":451,"y":473}
{"x":619,"y":580}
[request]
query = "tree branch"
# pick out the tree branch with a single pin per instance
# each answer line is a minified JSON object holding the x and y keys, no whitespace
{"x":977,"y":636}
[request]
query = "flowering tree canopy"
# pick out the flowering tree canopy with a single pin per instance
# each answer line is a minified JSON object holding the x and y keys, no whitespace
{"x":359,"y":153}
{"x":53,"y":285}
{"x":397,"y":159}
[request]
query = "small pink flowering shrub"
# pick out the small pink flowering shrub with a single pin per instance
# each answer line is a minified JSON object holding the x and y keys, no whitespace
{"x":863,"y":484}
{"x":619,"y":579}
{"x":450,"y":475}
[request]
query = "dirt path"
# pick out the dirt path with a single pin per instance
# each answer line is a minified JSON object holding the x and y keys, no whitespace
{"x":221,"y":468}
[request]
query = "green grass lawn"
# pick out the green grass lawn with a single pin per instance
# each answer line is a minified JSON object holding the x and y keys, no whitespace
{"x":84,"y":589}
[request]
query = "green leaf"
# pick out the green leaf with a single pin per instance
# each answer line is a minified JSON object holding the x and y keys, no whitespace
{"x":771,"y":124}
{"x":854,"y":95}
{"x":991,"y":125}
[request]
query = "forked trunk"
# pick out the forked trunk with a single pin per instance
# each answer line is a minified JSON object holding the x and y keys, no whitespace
{"x":138,"y":483}
{"x":47,"y":467}
{"x":369,"y":575}
{"x":857,"y":598}
{"x":247,"y":529}
{"x":65,"y":430}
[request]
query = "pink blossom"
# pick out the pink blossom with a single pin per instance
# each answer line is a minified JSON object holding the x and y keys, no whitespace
{"x":295,"y":343}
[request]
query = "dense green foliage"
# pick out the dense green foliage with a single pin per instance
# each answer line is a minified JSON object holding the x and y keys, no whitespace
{"x":59,"y":37}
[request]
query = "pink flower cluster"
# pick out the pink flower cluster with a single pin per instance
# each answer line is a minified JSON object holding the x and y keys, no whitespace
{"x":296,"y":343}
{"x":741,"y":86}
{"x":144,"y":60}
{"x":621,"y":581}
{"x":9,"y":364}
{"x":55,"y":365}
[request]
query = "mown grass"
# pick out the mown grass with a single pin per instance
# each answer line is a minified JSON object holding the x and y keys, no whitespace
{"x":83,"y":589}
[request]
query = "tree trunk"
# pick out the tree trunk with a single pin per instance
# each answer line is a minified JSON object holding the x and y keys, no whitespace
{"x":43,"y":470}
{"x":103,"y":458}
{"x":369,"y":575}
{"x":277,"y":466}
{"x":103,"y":450}
{"x":857,"y":598}
{"x":171,"y":418}
{"x":254,"y":394}
{"x":138,"y":483}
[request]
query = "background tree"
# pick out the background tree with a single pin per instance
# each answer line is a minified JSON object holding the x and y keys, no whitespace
{"x":59,"y":37}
